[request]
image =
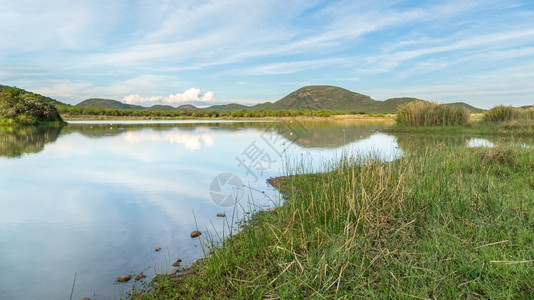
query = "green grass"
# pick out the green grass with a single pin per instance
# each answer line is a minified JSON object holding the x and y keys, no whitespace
{"x":503,"y":113}
{"x":507,"y":128}
{"x":440,"y":223}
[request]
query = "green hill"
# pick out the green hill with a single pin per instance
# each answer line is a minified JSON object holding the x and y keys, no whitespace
{"x":107,"y":104}
{"x":470,"y":108}
{"x":227,"y":107}
{"x":161,"y":107}
{"x":186,"y":107}
{"x":318,"y":97}
{"x":325,"y":97}
{"x":19,"y":107}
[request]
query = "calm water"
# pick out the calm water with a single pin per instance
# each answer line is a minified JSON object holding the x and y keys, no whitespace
{"x":95,"y":199}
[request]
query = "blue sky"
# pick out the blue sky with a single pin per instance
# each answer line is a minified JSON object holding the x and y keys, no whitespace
{"x":212,"y":52}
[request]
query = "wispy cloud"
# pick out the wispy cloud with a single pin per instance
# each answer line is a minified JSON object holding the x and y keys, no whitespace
{"x":73,"y":50}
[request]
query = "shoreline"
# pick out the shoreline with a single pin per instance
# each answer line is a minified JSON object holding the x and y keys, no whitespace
{"x":129,"y":118}
{"x":372,"y":229}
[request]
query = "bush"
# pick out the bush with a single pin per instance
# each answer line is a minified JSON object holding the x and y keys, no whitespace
{"x":424,"y":113}
{"x":20,"y":107}
{"x":501,"y":113}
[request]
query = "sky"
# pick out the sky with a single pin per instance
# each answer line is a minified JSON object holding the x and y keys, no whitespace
{"x":207,"y":52}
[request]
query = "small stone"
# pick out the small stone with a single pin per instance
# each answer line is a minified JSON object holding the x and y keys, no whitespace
{"x":177,"y":263}
{"x":124,"y":278}
{"x":140,"y":276}
{"x":222,"y":215}
{"x":85,"y":298}
{"x":195,"y":234}
{"x":158,"y":249}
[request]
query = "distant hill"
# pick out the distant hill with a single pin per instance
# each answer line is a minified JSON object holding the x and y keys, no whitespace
{"x":318,"y":97}
{"x":390,"y":105}
{"x":470,"y":108}
{"x":326,"y":97}
{"x":20,"y":107}
{"x":228,"y":107}
{"x":107,"y":104}
{"x":186,"y":107}
{"x":161,"y":107}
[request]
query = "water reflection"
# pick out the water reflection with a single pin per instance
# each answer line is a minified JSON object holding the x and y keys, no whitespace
{"x":412,"y":143}
{"x":99,"y":199}
{"x":479,"y":142}
{"x":16,"y":141}
{"x":331,"y":133}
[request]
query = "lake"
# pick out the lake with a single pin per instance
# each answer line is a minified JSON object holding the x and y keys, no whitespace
{"x":92,"y":200}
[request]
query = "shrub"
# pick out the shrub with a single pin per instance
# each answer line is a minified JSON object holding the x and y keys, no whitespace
{"x":424,"y":113}
{"x":501,"y":113}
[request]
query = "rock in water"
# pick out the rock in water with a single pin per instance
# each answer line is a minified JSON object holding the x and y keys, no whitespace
{"x":85,"y":298}
{"x":158,"y":249}
{"x":222,"y":215}
{"x":140,"y":276}
{"x":124,"y":278}
{"x":177,"y":263}
{"x":195,"y":234}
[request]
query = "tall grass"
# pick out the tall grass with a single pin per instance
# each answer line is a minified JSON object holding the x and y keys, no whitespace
{"x":423,"y":113}
{"x":503,"y":113}
{"x":441,"y":223}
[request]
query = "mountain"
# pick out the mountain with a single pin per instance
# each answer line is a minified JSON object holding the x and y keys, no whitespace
{"x":318,"y":97}
{"x":20,"y":107}
{"x":107,"y":104}
{"x":325,"y":97}
{"x":228,"y":107}
{"x":390,"y":105}
{"x":470,"y":108}
{"x":161,"y":107}
{"x":186,"y":107}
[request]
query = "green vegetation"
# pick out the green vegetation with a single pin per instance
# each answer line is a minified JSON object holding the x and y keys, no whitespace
{"x":307,"y":101}
{"x":18,"y":107}
{"x":19,"y":140}
{"x":423,"y":113}
{"x":460,"y":229}
{"x":503,"y":113}
{"x":107,"y":103}
{"x":76,"y":111}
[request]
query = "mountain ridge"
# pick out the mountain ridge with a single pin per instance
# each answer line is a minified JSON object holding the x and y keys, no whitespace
{"x":315,"y":97}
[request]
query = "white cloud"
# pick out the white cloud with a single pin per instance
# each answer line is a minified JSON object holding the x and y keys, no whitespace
{"x":189,"y":96}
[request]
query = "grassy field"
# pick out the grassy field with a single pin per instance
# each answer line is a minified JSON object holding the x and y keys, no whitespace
{"x":438,"y":223}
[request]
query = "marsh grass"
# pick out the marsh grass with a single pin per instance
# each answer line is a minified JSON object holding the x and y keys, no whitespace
{"x":424,"y":113}
{"x":442,"y":223}
{"x":502,"y":113}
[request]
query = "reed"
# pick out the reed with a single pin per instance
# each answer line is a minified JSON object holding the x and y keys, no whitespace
{"x":439,"y":223}
{"x":423,"y":113}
